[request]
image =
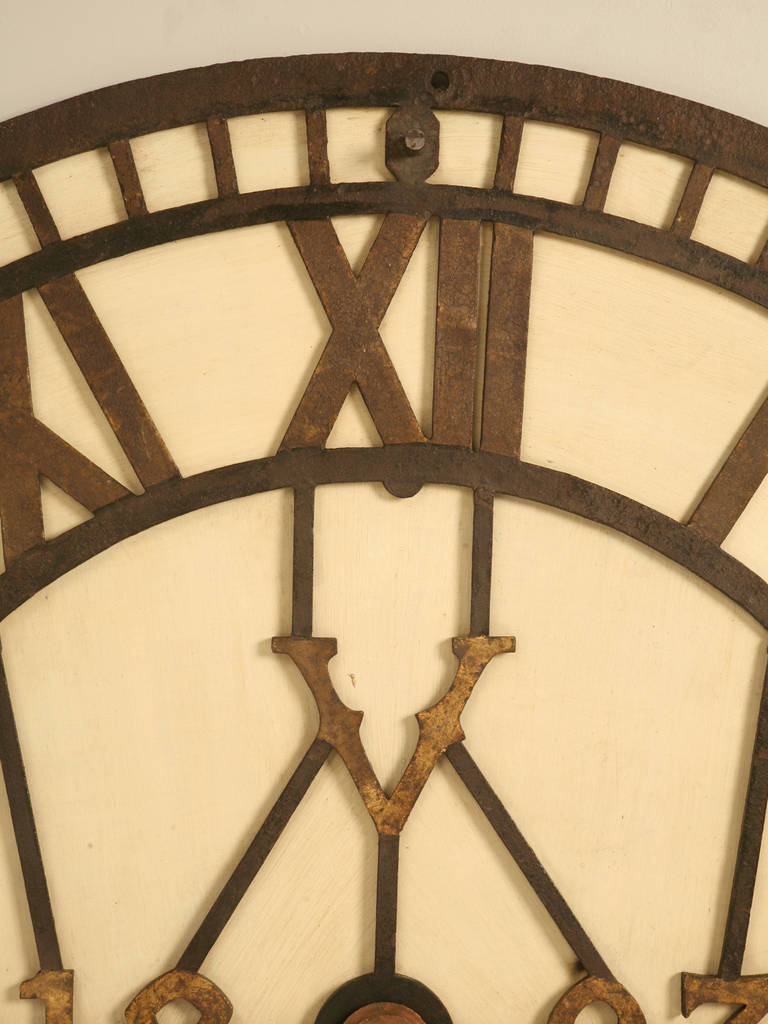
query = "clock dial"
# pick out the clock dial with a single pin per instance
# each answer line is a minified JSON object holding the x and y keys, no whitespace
{"x":381,"y":490}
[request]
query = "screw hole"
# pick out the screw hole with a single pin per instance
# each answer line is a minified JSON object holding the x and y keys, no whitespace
{"x":440,"y":81}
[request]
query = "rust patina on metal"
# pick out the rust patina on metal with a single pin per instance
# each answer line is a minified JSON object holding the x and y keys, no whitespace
{"x":590,"y":990}
{"x":439,"y":726}
{"x":476,"y":448}
{"x":750,"y":994}
{"x":55,"y":989}
{"x":210,"y":1001}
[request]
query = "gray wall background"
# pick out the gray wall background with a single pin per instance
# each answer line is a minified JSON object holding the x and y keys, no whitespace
{"x":709,"y":50}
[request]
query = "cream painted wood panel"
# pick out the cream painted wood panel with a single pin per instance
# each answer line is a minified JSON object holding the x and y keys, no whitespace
{"x":81,"y":192}
{"x":158,"y":727}
{"x":638,"y":378}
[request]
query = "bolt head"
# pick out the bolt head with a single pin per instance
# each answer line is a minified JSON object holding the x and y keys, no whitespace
{"x":414,"y":140}
{"x":412,"y":144}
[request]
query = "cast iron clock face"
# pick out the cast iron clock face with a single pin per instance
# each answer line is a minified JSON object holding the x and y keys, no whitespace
{"x":382,"y":456}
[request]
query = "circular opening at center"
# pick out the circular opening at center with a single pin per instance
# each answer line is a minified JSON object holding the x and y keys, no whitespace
{"x":384,"y":1013}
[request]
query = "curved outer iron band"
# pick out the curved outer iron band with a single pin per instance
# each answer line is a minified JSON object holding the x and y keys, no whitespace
{"x":429,"y":464}
{"x":310,"y":203}
{"x":630,"y":112}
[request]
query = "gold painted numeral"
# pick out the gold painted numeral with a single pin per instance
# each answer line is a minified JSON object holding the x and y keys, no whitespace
{"x":597,"y":990}
{"x":749,"y":994}
{"x":55,"y":990}
{"x":207,"y":998}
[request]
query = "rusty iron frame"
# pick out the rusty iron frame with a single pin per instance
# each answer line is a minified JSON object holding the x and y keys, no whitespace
{"x":415,"y":86}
